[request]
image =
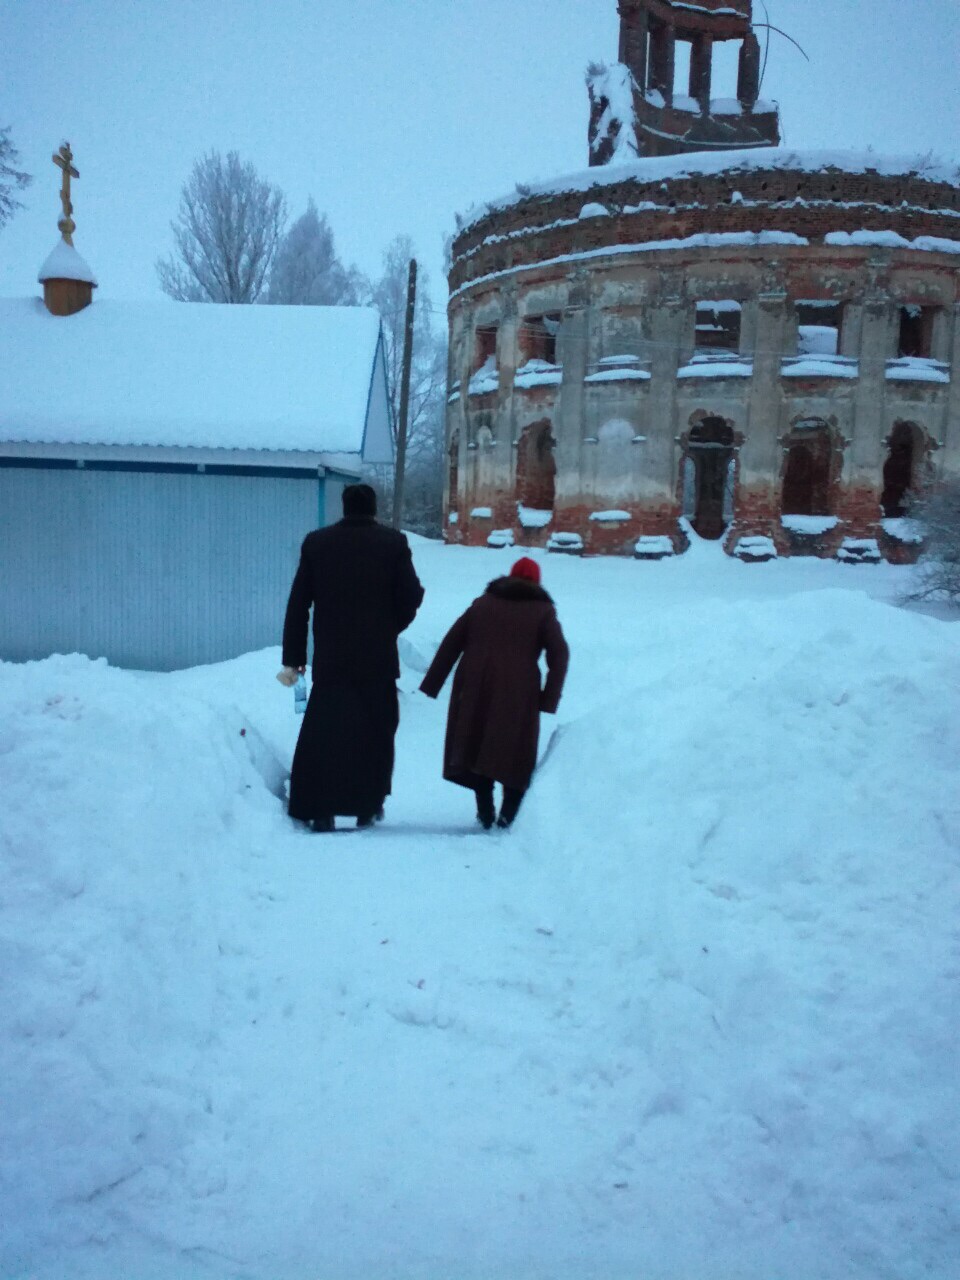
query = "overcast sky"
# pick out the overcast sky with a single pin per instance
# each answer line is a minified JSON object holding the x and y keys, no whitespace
{"x":392,"y":114}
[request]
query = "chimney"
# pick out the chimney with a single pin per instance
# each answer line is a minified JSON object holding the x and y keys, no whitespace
{"x":68,"y":283}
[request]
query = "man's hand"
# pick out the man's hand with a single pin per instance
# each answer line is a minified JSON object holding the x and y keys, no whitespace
{"x":289,"y":676}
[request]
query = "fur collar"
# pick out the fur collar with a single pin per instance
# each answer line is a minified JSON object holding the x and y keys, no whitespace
{"x":517,"y":589}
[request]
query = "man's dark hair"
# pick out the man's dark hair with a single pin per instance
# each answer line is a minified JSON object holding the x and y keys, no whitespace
{"x":359,"y":500}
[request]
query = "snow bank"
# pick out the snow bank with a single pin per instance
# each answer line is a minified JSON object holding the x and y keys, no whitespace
{"x":709,"y":977}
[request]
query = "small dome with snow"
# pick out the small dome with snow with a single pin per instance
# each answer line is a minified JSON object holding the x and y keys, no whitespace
{"x":64,"y":263}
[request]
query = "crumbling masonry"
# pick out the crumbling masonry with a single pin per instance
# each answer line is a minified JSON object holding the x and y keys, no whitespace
{"x":702,"y":334}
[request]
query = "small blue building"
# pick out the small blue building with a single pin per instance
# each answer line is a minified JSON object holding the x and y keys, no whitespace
{"x":161,"y":462}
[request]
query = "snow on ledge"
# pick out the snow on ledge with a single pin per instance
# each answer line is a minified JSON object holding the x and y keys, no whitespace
{"x":702,"y":240}
{"x":653,"y":547}
{"x":609,"y":517}
{"x":481,"y":513}
{"x":917,"y":369}
{"x":500,"y":538}
{"x":809,"y":525}
{"x":538,"y":373}
{"x":531,"y":518}
{"x":903,"y":529}
{"x":859,"y":551}
{"x":624,"y":368}
{"x":755,"y":548}
{"x":711,"y":366}
{"x":486,"y":379}
{"x":569,"y":543}
{"x":820,"y":367}
{"x":655,"y":169}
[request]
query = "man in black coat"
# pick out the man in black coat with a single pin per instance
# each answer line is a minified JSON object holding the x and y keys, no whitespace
{"x":359,"y":577}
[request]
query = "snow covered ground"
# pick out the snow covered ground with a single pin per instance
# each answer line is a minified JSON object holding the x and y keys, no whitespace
{"x":694,"y":1018}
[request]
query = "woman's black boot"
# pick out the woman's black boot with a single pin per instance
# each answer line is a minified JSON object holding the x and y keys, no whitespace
{"x":486,"y":811}
{"x":510,"y":807}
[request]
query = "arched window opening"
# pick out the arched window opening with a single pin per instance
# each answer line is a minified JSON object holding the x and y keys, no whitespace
{"x":806,"y":475}
{"x":536,"y":467}
{"x":901,"y":469}
{"x":708,"y":477}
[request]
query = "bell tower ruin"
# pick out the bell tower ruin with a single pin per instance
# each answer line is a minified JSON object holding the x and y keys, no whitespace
{"x":639,"y":108}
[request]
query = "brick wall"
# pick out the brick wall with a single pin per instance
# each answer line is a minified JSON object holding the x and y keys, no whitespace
{"x":807,"y":204}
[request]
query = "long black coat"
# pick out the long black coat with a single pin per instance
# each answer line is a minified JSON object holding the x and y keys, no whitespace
{"x":493,"y":724}
{"x":359,"y":578}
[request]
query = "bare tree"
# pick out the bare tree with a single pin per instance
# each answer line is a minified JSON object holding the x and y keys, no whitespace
{"x":937,"y":514}
{"x":423,"y":490}
{"x":306,"y":269}
{"x":11,"y":178}
{"x":227,"y":233}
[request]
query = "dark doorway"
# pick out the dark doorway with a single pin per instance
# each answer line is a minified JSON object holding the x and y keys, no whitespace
{"x":806,"y":476}
{"x":898,"y":471}
{"x":536,"y":468}
{"x":709,"y":461}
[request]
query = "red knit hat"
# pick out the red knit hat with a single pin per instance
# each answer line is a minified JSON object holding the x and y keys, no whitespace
{"x":526,"y":568}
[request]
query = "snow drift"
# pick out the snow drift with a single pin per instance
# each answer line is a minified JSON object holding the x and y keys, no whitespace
{"x":694,"y":1015}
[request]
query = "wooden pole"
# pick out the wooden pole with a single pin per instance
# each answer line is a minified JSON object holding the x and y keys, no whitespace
{"x":401,"y":458}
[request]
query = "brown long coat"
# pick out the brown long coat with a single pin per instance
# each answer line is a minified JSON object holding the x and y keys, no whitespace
{"x":493,"y":725}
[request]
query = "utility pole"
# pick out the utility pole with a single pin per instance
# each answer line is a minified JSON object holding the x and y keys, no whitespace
{"x":401,"y":458}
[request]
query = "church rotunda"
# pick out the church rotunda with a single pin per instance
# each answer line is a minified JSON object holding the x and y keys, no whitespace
{"x":704,"y":334}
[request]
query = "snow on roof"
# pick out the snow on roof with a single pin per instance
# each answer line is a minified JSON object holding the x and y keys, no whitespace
{"x":660,"y":168}
{"x":185,"y":375}
{"x":64,"y":263}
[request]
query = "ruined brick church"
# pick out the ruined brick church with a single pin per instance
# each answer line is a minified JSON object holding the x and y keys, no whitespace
{"x":703,"y":335}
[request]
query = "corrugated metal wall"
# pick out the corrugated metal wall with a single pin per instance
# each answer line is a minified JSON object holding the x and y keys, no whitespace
{"x":152,"y":570}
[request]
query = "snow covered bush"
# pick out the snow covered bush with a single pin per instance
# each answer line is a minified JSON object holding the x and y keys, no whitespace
{"x":938,"y":514}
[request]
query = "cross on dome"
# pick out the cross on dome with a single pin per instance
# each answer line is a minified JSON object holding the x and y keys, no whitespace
{"x":63,"y":159}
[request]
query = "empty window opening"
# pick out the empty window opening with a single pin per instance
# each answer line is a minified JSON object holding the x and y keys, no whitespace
{"x":916,"y":332}
{"x":708,"y":477}
{"x":538,"y":338}
{"x":681,"y":76}
{"x":536,"y":467}
{"x":453,"y":469}
{"x":725,"y":68}
{"x":718,"y":326}
{"x":818,"y":328}
{"x":900,"y":470}
{"x":485,"y":348}
{"x":806,"y":474}
{"x":661,"y":51}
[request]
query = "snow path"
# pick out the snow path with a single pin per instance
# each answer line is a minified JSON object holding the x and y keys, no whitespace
{"x":693,"y":1017}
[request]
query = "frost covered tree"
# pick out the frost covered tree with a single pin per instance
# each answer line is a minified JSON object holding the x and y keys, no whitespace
{"x":938,"y":572}
{"x":227,"y":233}
{"x":11,"y":178}
{"x":423,"y":488}
{"x":306,"y":269}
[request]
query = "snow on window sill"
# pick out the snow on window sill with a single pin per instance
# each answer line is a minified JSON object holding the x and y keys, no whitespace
{"x":821,"y":366}
{"x":810,"y":526}
{"x":917,"y":369}
{"x":538,"y":373}
{"x":727,"y":365}
{"x":532,"y":518}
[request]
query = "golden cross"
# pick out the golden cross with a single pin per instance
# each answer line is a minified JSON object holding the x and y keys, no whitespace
{"x":64,"y":160}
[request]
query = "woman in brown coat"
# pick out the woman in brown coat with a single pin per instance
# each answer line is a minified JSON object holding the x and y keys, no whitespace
{"x":493,"y":725}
